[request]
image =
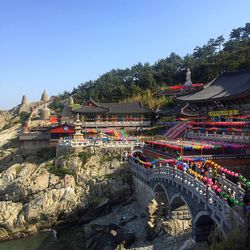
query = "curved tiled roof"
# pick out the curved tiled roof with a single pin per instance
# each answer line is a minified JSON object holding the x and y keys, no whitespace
{"x":92,"y":109}
{"x":121,"y":108}
{"x":113,"y":108}
{"x":229,"y":85}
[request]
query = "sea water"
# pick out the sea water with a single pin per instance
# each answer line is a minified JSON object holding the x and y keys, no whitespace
{"x":69,"y":239}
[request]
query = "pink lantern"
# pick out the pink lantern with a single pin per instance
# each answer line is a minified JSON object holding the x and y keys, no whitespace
{"x":225,"y":170}
{"x":204,"y":179}
{"x":214,"y":187}
{"x":222,"y":169}
{"x":236,"y":175}
{"x":218,"y":190}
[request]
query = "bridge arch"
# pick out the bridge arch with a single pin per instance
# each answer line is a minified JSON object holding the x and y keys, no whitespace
{"x":177,"y":203}
{"x":162,"y":198}
{"x":203,"y":224}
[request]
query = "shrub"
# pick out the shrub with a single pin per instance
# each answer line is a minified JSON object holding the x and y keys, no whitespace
{"x":24,"y":116}
{"x":84,"y":156}
{"x":235,"y":240}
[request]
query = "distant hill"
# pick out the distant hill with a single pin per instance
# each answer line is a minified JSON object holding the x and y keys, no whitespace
{"x":143,"y":80}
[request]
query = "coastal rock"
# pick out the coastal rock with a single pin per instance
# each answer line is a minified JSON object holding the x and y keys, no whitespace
{"x":46,"y":207}
{"x":175,"y":227}
{"x":9,"y":175}
{"x":39,"y":198}
{"x":108,"y":236}
{"x":26,"y":169}
{"x":3,"y":233}
{"x":8,"y":214}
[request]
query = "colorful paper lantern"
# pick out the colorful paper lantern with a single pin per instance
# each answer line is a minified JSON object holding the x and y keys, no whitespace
{"x":222,"y":194}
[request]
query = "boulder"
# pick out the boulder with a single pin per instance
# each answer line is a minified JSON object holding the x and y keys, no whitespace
{"x":8,"y":214}
{"x":8,"y":175}
{"x":107,"y":237}
{"x":3,"y":233}
{"x":175,"y":227}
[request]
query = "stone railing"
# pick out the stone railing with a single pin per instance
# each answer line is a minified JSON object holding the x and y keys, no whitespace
{"x":116,"y":124}
{"x":86,"y":143}
{"x":220,"y":210}
{"x":227,"y":184}
{"x":218,"y":137}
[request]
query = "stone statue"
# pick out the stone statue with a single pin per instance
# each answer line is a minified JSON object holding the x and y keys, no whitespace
{"x":71,"y":101}
{"x":45,"y":112}
{"x":188,"y":78}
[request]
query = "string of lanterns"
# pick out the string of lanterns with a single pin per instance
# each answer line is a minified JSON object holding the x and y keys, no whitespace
{"x":206,"y":180}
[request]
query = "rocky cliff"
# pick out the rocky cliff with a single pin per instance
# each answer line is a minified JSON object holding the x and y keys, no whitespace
{"x":36,"y":196}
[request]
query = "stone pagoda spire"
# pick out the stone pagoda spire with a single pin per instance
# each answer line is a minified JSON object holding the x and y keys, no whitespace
{"x":25,"y":106}
{"x":44,"y":97}
{"x":25,"y":100}
{"x":78,"y":129}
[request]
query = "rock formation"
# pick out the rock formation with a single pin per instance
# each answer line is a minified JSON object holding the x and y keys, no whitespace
{"x":25,"y":106}
{"x":67,"y":110}
{"x":33,"y":197}
{"x":44,"y":97}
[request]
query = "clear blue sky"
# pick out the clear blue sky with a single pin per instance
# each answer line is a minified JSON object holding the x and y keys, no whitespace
{"x":58,"y":44}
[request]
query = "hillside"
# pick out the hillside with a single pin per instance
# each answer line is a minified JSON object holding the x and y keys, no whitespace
{"x":143,"y":80}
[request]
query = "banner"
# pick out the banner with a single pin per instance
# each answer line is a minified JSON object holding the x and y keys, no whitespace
{"x":224,"y":113}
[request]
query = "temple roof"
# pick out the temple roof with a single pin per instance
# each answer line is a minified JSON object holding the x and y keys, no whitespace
{"x":229,"y":85}
{"x":113,"y":108}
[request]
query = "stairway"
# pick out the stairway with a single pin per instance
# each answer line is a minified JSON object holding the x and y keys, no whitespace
{"x":169,"y":131}
{"x":124,"y":134}
{"x":176,"y":130}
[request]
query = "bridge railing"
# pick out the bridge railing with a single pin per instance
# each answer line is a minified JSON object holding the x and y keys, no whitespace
{"x":227,"y":184}
{"x":220,"y":209}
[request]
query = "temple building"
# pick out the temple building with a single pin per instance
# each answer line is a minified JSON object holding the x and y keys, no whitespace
{"x":93,"y":114}
{"x":225,"y":98}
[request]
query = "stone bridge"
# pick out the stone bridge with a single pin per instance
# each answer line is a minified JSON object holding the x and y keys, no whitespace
{"x":177,"y":189}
